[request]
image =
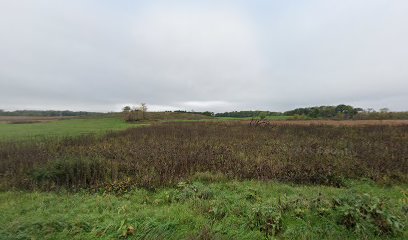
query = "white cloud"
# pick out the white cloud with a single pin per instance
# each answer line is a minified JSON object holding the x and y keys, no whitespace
{"x":214,"y":55}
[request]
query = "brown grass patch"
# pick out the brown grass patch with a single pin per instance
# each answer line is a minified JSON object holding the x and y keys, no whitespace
{"x":165,"y":154}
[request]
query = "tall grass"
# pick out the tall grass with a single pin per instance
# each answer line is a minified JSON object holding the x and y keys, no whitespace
{"x":165,"y":154}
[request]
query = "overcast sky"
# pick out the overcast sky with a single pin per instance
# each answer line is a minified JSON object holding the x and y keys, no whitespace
{"x":204,"y":55}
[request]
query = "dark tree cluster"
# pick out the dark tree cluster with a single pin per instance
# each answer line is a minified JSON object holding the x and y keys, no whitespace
{"x":206,"y":113}
{"x":243,"y":114}
{"x":381,"y":115}
{"x":341,"y":111}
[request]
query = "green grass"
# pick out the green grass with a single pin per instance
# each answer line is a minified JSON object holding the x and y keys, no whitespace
{"x":62,"y":128}
{"x":197,"y":210}
{"x":76,"y":127}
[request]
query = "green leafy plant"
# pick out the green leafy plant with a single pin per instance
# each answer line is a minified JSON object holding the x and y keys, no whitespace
{"x":364,"y":213}
{"x":267,"y":219}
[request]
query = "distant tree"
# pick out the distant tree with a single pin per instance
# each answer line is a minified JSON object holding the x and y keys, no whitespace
{"x":345,"y":111}
{"x":126,"y":109}
{"x":384,"y":110}
{"x":130,"y":114}
{"x":48,"y":113}
{"x":143,"y":110}
{"x":245,"y":114}
{"x":207,"y":113}
{"x":262,"y":115}
{"x":341,"y":111}
{"x":342,"y":108}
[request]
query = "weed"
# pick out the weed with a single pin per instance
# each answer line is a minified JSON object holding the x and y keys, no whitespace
{"x":267,"y":219}
{"x":364,"y":213}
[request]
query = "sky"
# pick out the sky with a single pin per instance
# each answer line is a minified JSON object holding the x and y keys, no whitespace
{"x":214,"y":55}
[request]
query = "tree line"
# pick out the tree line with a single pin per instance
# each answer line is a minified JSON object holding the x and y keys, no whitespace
{"x":340,"y":112}
{"x":48,"y":113}
{"x":206,"y":113}
{"x":245,"y":114}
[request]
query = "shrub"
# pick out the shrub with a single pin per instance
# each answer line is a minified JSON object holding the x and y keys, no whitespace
{"x":73,"y":173}
{"x":365,"y":213}
{"x":267,"y":219}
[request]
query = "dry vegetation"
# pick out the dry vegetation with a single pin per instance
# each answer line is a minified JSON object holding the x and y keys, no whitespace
{"x":337,"y":122}
{"x":28,"y":119}
{"x":165,"y":154}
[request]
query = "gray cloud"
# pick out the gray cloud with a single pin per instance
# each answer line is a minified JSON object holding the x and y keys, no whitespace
{"x":218,"y":55}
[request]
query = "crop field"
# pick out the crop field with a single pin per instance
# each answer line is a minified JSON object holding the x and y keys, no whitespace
{"x":206,"y":180}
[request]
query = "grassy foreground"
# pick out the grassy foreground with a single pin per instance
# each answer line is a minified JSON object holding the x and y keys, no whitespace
{"x":210,"y":210}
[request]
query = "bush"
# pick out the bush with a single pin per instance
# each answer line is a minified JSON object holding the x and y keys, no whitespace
{"x":267,"y":219}
{"x":73,"y":173}
{"x":363,"y":213}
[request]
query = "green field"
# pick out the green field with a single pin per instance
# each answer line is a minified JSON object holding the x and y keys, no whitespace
{"x":205,"y":210}
{"x":62,"y":128}
{"x":76,"y":127}
{"x":84,"y":126}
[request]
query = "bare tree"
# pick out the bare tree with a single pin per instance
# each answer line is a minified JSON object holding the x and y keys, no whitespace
{"x":143,"y":109}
